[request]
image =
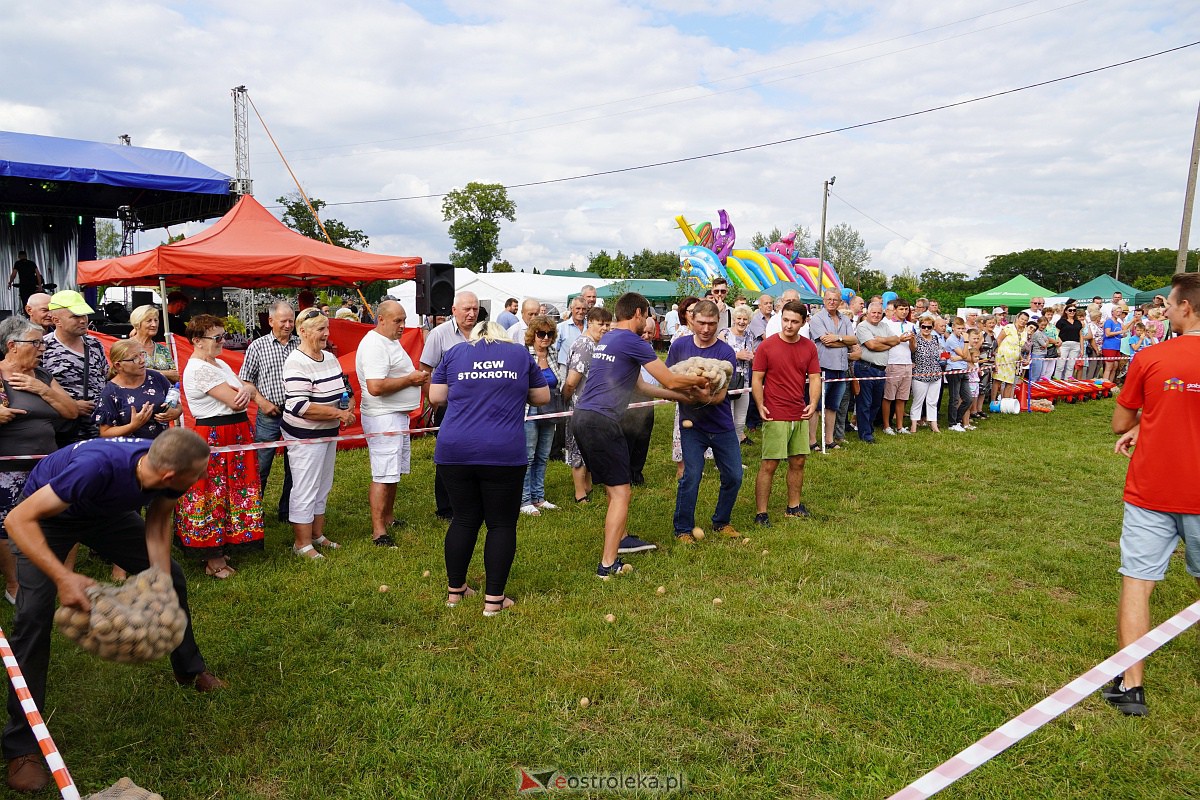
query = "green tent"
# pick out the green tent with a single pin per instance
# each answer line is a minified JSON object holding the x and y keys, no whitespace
{"x":1014,"y":293}
{"x":656,"y":291}
{"x":1104,"y":286}
{"x":1148,"y":296}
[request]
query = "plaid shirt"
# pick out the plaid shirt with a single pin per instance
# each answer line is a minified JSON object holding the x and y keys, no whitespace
{"x":263,"y":365}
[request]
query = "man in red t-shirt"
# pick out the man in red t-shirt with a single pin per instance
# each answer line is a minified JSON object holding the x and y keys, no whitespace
{"x":786,"y":373}
{"x":1161,"y":502}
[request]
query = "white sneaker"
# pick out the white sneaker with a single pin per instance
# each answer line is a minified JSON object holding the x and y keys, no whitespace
{"x":969,"y":427}
{"x":958,"y":428}
{"x":904,"y":431}
{"x":889,"y":431}
{"x":530,"y":509}
{"x":546,"y":505}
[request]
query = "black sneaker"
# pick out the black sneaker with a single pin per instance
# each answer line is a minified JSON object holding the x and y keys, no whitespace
{"x":384,"y":541}
{"x":797,"y":511}
{"x":632,"y":544}
{"x":762,"y":520}
{"x":618,"y":567}
{"x":1130,"y":702}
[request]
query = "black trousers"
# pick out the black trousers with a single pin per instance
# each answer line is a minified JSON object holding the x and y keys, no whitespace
{"x":121,"y":540}
{"x":638,"y":426}
{"x":482,"y":494}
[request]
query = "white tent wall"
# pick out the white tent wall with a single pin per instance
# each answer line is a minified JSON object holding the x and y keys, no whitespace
{"x":493,"y":288}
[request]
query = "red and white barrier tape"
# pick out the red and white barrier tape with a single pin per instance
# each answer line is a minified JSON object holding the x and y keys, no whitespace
{"x":54,"y":760}
{"x":1053,"y":706}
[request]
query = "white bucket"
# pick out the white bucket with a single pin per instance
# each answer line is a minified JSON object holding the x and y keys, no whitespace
{"x":1010,"y":405}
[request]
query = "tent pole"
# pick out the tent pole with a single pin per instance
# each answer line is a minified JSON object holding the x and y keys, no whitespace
{"x":166,"y":327}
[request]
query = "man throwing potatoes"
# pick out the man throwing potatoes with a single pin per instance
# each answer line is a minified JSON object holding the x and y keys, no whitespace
{"x":92,"y":493}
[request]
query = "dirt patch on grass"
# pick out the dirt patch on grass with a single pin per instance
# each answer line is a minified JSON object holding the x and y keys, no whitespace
{"x":976,"y":673}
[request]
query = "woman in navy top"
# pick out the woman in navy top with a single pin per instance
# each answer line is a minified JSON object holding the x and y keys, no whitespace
{"x":485,"y":384}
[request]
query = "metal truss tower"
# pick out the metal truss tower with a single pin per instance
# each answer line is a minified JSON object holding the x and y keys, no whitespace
{"x":241,"y":144}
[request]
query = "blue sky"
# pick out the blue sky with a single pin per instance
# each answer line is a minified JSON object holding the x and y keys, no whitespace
{"x":374,"y":100}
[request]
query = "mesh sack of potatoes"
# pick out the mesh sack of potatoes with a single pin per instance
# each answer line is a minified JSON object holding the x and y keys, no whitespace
{"x":717,"y":371}
{"x":124,"y":789}
{"x":139,"y":621}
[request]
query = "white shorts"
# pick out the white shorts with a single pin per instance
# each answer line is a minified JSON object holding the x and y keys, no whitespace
{"x":389,"y":454}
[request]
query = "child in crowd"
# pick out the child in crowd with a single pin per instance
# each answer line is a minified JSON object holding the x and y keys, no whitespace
{"x":974,"y":350}
{"x":1139,"y":338}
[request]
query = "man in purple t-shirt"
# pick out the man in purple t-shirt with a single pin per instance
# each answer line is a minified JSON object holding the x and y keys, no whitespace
{"x":706,"y":426}
{"x":614,"y":373}
{"x":92,"y":493}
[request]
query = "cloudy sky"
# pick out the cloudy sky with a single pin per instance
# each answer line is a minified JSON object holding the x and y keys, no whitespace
{"x":373,"y":100}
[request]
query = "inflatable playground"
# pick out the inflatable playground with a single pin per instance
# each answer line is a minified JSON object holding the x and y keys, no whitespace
{"x":711,"y":253}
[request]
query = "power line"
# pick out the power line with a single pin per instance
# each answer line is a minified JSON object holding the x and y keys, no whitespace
{"x":661,"y":105}
{"x":790,"y":140}
{"x":901,"y":235}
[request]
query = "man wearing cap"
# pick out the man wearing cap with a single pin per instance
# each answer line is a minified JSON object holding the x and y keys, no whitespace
{"x":76,"y":361}
{"x":37,"y":308}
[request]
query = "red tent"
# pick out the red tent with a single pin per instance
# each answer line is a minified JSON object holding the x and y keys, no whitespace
{"x":248,"y":249}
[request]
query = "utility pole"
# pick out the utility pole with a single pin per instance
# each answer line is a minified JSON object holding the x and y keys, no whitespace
{"x":1120,"y":249}
{"x":1189,"y":199}
{"x":821,"y":249}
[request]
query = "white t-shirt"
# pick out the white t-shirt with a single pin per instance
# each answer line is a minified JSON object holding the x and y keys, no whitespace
{"x":517,"y":332}
{"x":900,"y":354}
{"x":775,"y":325}
{"x":379,"y":357}
{"x":200,"y":376}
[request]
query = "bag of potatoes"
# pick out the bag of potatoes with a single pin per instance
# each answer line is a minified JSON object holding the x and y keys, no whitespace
{"x":716,"y":370}
{"x":124,"y":789}
{"x":139,"y":621}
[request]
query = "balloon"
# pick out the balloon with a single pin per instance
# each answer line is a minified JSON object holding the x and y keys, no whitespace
{"x":889,"y":297}
{"x":847,"y":295}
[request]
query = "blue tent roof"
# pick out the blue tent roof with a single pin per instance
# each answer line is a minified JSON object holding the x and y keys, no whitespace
{"x":26,"y":155}
{"x":49,"y":175}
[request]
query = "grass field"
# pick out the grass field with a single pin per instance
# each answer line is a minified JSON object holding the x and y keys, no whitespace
{"x":946,"y":584}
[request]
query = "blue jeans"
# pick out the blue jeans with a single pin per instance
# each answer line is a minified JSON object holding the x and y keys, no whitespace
{"x":728,"y":455}
{"x":1037,"y":367}
{"x":959,"y":386}
{"x":869,"y":400}
{"x":539,"y":438}
{"x":266,"y":429}
{"x":833,"y":391}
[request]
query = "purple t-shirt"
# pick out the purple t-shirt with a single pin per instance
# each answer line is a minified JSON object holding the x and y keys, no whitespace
{"x":613,"y":374}
{"x":98,"y":477}
{"x":716,"y":418}
{"x":488,"y":384}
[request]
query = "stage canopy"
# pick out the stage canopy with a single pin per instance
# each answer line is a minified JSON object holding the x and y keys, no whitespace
{"x":1104,"y":286}
{"x":1014,"y":293}
{"x":51,"y":176}
{"x":249,"y":249}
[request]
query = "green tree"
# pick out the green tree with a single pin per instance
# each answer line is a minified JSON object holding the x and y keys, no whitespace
{"x":502,"y":266}
{"x":1147,"y":283}
{"x":846,"y":250}
{"x":906,"y":284}
{"x":616,"y":267}
{"x":663,"y":265}
{"x":297,"y":217}
{"x":108,"y":239}
{"x":474,"y":214}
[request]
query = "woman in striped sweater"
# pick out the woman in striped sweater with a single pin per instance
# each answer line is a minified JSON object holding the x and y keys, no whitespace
{"x":316,"y":391}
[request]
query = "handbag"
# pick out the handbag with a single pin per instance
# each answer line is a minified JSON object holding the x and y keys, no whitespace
{"x":738,"y":381}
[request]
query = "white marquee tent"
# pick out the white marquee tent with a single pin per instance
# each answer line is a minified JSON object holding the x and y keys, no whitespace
{"x":493,"y":288}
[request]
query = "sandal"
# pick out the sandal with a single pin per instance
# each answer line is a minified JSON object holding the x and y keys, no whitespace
{"x":308,"y":551}
{"x":322,"y":541}
{"x":501,"y":602}
{"x":220,"y":573}
{"x":465,"y":591}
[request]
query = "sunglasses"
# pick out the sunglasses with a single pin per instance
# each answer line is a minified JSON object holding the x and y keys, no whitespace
{"x":926,"y":327}
{"x":544,"y":334}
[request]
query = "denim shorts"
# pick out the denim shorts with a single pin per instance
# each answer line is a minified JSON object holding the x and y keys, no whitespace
{"x":1148,"y":538}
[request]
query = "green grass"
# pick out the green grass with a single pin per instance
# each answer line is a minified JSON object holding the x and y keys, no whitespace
{"x":946,"y":584}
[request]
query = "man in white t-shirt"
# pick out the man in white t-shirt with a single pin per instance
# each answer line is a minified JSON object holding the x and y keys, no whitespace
{"x":391,"y":388}
{"x":530,"y":308}
{"x":774,"y":324}
{"x":897,"y":383}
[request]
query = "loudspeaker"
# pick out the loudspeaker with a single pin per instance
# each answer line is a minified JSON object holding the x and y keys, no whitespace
{"x":141,"y":297}
{"x":435,"y":289}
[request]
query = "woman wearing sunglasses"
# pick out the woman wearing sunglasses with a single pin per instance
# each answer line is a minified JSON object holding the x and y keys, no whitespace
{"x":927,"y":375}
{"x":539,"y":433}
{"x":222,"y":512}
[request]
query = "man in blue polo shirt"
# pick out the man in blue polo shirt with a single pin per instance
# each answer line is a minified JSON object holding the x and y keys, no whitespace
{"x":705,"y":426}
{"x":92,"y":493}
{"x":612,"y":376}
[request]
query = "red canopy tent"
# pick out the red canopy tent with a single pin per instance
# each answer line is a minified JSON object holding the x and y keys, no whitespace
{"x":249,"y":249}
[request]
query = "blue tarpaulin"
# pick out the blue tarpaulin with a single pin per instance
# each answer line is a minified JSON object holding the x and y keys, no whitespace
{"x":25,"y":155}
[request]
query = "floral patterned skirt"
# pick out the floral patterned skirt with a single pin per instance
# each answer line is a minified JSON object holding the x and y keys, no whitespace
{"x":222,"y":512}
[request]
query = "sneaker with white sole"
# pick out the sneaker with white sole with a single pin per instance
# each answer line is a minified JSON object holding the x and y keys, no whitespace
{"x":904,"y":432}
{"x":971,"y":427}
{"x":958,"y":428}
{"x":890,"y":431}
{"x":530,"y":509}
{"x":632,"y":544}
{"x":546,"y":505}
{"x":614,"y":569}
